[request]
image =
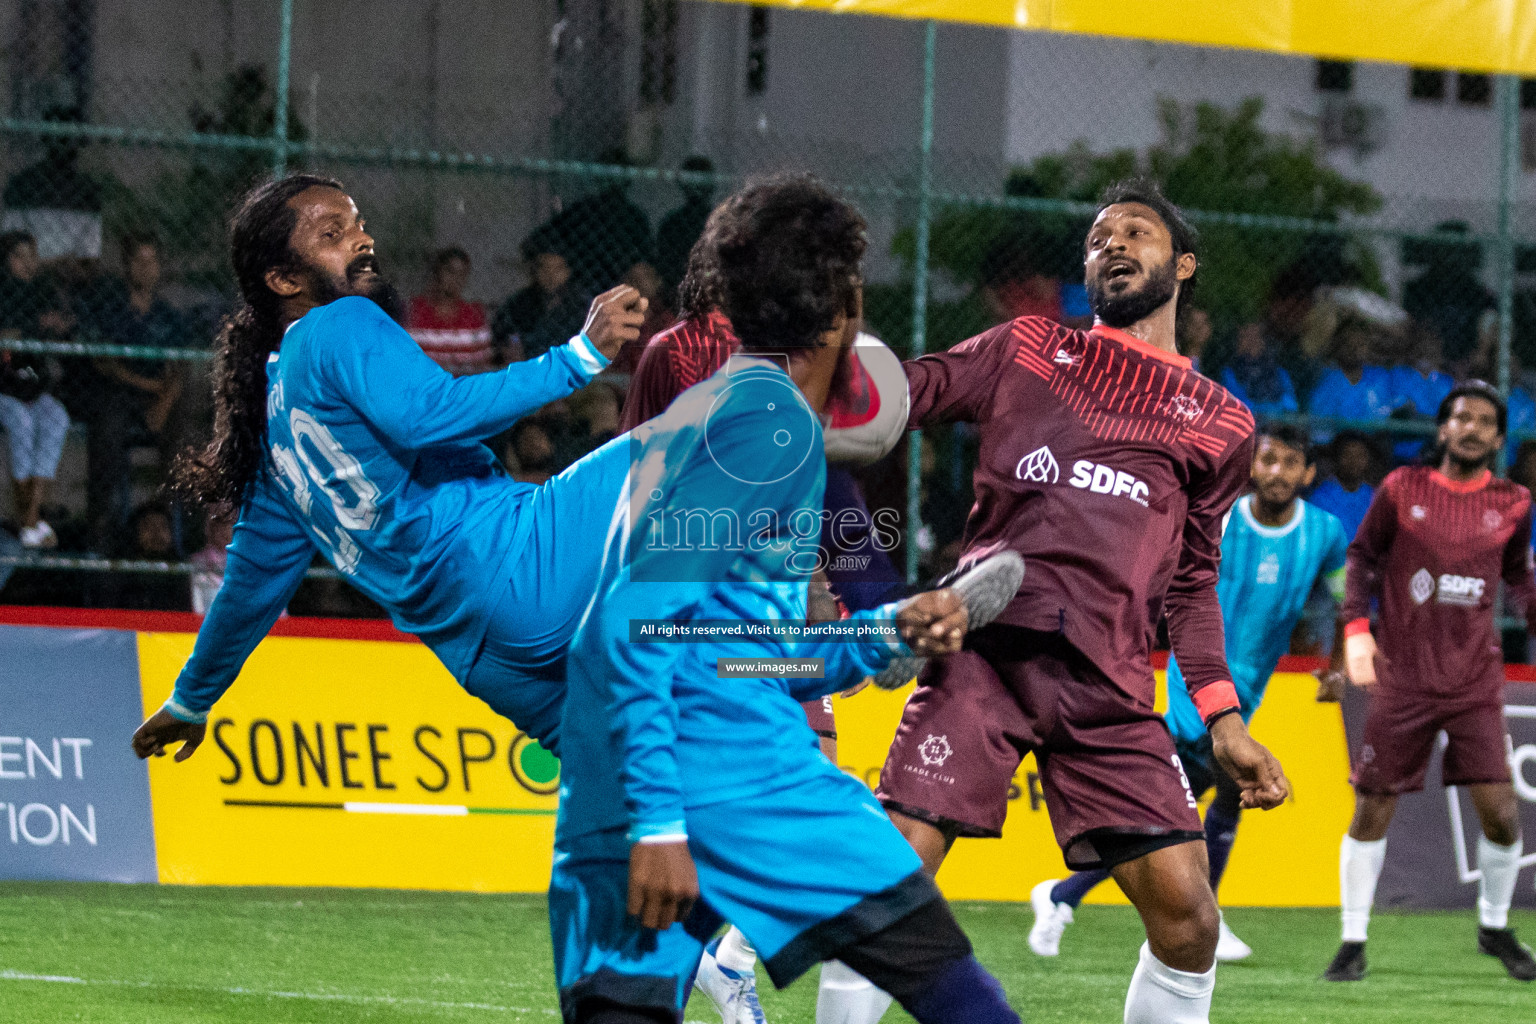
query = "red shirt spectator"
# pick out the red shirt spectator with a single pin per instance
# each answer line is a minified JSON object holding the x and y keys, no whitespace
{"x":453,"y":331}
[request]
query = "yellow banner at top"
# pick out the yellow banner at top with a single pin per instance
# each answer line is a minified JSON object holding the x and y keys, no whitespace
{"x":1481,"y":35}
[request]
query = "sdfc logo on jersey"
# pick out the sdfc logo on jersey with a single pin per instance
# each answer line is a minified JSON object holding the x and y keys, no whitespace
{"x":1039,"y":467}
{"x":1421,"y":587}
{"x":1105,"y":480}
{"x":1463,"y":590}
{"x":935,"y":750}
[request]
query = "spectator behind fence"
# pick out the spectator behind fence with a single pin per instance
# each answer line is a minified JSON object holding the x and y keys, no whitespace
{"x":1346,"y":493}
{"x":151,"y":539}
{"x":682,"y":227}
{"x":449,"y":328}
{"x":606,"y":232}
{"x":659,"y":315}
{"x":1194,"y":334}
{"x":595,"y":415}
{"x":1015,"y":283}
{"x":130,"y":401}
{"x":1418,"y":386}
{"x":1352,"y":388}
{"x":549,"y":311}
{"x":210,"y":559}
{"x":1256,"y":378}
{"x":35,"y":421}
{"x":529,"y":455}
{"x":56,"y":202}
{"x":1448,"y":297}
{"x":1284,"y":325}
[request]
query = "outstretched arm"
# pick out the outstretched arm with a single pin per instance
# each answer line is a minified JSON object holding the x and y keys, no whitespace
{"x":929,"y":624}
{"x":957,"y":385}
{"x":381,"y":371}
{"x":267,"y":560}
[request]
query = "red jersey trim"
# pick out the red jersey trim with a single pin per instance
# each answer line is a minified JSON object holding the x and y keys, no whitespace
{"x":1357,"y":626}
{"x":1132,"y":342}
{"x":1462,"y":486}
{"x":1214,"y":698}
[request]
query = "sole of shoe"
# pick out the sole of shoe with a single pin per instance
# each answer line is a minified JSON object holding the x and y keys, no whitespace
{"x":984,"y":588}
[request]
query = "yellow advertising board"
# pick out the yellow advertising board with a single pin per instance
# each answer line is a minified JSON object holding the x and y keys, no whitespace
{"x":362,"y":763}
{"x":349,"y":763}
{"x":1483,"y":35}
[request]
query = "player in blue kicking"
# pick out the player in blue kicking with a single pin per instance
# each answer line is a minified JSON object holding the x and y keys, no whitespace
{"x":687,"y":798}
{"x":334,"y":432}
{"x":1275,"y":549}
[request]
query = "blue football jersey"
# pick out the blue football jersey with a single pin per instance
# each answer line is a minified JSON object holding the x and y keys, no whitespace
{"x":374,"y":459}
{"x":1267,"y":574}
{"x":722,"y":523}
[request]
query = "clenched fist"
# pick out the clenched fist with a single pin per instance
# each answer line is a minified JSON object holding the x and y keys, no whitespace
{"x":615,"y":318}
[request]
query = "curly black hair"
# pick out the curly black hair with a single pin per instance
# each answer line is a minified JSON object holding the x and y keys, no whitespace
{"x":780,"y":258}
{"x":221,"y":472}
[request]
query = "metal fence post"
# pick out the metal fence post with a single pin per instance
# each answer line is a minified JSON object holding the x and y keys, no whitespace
{"x":1509,"y":163}
{"x":280,"y":111}
{"x":920,"y":291}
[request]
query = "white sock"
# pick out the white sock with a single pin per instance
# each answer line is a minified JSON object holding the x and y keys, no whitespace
{"x":735,"y":952}
{"x":1500,"y":866}
{"x":847,"y":997}
{"x":1359,"y":868}
{"x":1161,"y":995}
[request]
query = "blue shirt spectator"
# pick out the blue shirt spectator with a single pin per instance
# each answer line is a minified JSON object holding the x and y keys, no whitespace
{"x":1417,"y":393}
{"x":1256,"y":378}
{"x":1346,"y":494}
{"x":1350,"y":389}
{"x":1522,"y":418}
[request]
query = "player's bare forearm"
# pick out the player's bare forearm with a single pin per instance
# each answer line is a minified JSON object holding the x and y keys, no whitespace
{"x":663,"y":885}
{"x":163,"y":729}
{"x":1249,"y":763}
{"x":615,"y":318}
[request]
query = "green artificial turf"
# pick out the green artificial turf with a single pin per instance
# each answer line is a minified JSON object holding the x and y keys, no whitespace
{"x":168,"y":953}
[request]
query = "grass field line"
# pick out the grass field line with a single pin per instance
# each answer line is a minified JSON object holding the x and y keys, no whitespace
{"x":319,"y":997}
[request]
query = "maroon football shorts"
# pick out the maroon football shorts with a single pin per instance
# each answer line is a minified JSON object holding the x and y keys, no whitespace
{"x":1111,"y":779}
{"x":1400,"y":730}
{"x":819,"y":714}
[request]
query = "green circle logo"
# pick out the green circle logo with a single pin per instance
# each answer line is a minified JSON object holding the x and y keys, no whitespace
{"x":534,"y":768}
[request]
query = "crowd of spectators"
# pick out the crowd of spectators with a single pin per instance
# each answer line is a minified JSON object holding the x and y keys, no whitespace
{"x":130,"y":416}
{"x":1323,"y":347}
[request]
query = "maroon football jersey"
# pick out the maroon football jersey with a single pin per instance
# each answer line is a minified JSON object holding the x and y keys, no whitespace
{"x":1434,"y":550}
{"x":1108,"y":464}
{"x":674,"y":361}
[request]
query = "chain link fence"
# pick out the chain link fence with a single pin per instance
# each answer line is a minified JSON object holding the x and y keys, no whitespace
{"x":513,"y":160}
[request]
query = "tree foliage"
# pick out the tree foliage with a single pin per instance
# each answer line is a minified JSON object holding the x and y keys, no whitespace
{"x":1210,"y":159}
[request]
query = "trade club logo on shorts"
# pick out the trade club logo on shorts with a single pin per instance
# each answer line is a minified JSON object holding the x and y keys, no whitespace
{"x":1039,"y":467}
{"x":935,"y":750}
{"x":1421,"y":587}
